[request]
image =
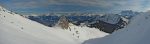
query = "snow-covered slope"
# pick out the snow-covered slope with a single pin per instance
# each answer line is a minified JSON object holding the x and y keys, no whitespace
{"x":137,"y":32}
{"x":82,"y":33}
{"x":14,"y":29}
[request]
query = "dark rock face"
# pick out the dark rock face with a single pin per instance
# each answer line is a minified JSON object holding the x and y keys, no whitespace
{"x":63,"y":23}
{"x":107,"y":27}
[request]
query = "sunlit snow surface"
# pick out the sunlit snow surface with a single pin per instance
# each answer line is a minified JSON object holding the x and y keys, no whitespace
{"x":137,"y":32}
{"x":14,"y":29}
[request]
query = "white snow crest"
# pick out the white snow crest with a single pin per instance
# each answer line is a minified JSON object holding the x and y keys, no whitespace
{"x":137,"y":32}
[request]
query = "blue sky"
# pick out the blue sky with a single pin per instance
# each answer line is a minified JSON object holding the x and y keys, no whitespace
{"x":46,"y":6}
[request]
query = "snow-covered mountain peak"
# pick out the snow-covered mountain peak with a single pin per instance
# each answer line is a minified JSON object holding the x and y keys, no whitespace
{"x":0,"y":7}
{"x":3,"y":9}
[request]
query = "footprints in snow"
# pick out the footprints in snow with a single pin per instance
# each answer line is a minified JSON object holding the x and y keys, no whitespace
{"x":76,"y":33}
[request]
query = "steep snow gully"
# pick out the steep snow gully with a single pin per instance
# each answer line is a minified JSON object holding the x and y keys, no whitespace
{"x":15,"y":29}
{"x":137,"y":32}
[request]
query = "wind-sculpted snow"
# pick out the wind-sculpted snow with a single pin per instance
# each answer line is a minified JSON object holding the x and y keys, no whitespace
{"x":137,"y":32}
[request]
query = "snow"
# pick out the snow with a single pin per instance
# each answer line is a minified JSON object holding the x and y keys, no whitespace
{"x":137,"y":32}
{"x":82,"y":33}
{"x":125,"y":19}
{"x":15,"y":29}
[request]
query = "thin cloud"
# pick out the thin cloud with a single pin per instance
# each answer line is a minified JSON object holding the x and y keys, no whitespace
{"x":107,"y":5}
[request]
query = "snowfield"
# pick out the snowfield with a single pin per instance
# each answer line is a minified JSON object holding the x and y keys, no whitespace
{"x":137,"y":32}
{"x":15,"y":29}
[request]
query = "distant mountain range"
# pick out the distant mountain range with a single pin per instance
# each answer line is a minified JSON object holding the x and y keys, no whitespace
{"x":100,"y":21}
